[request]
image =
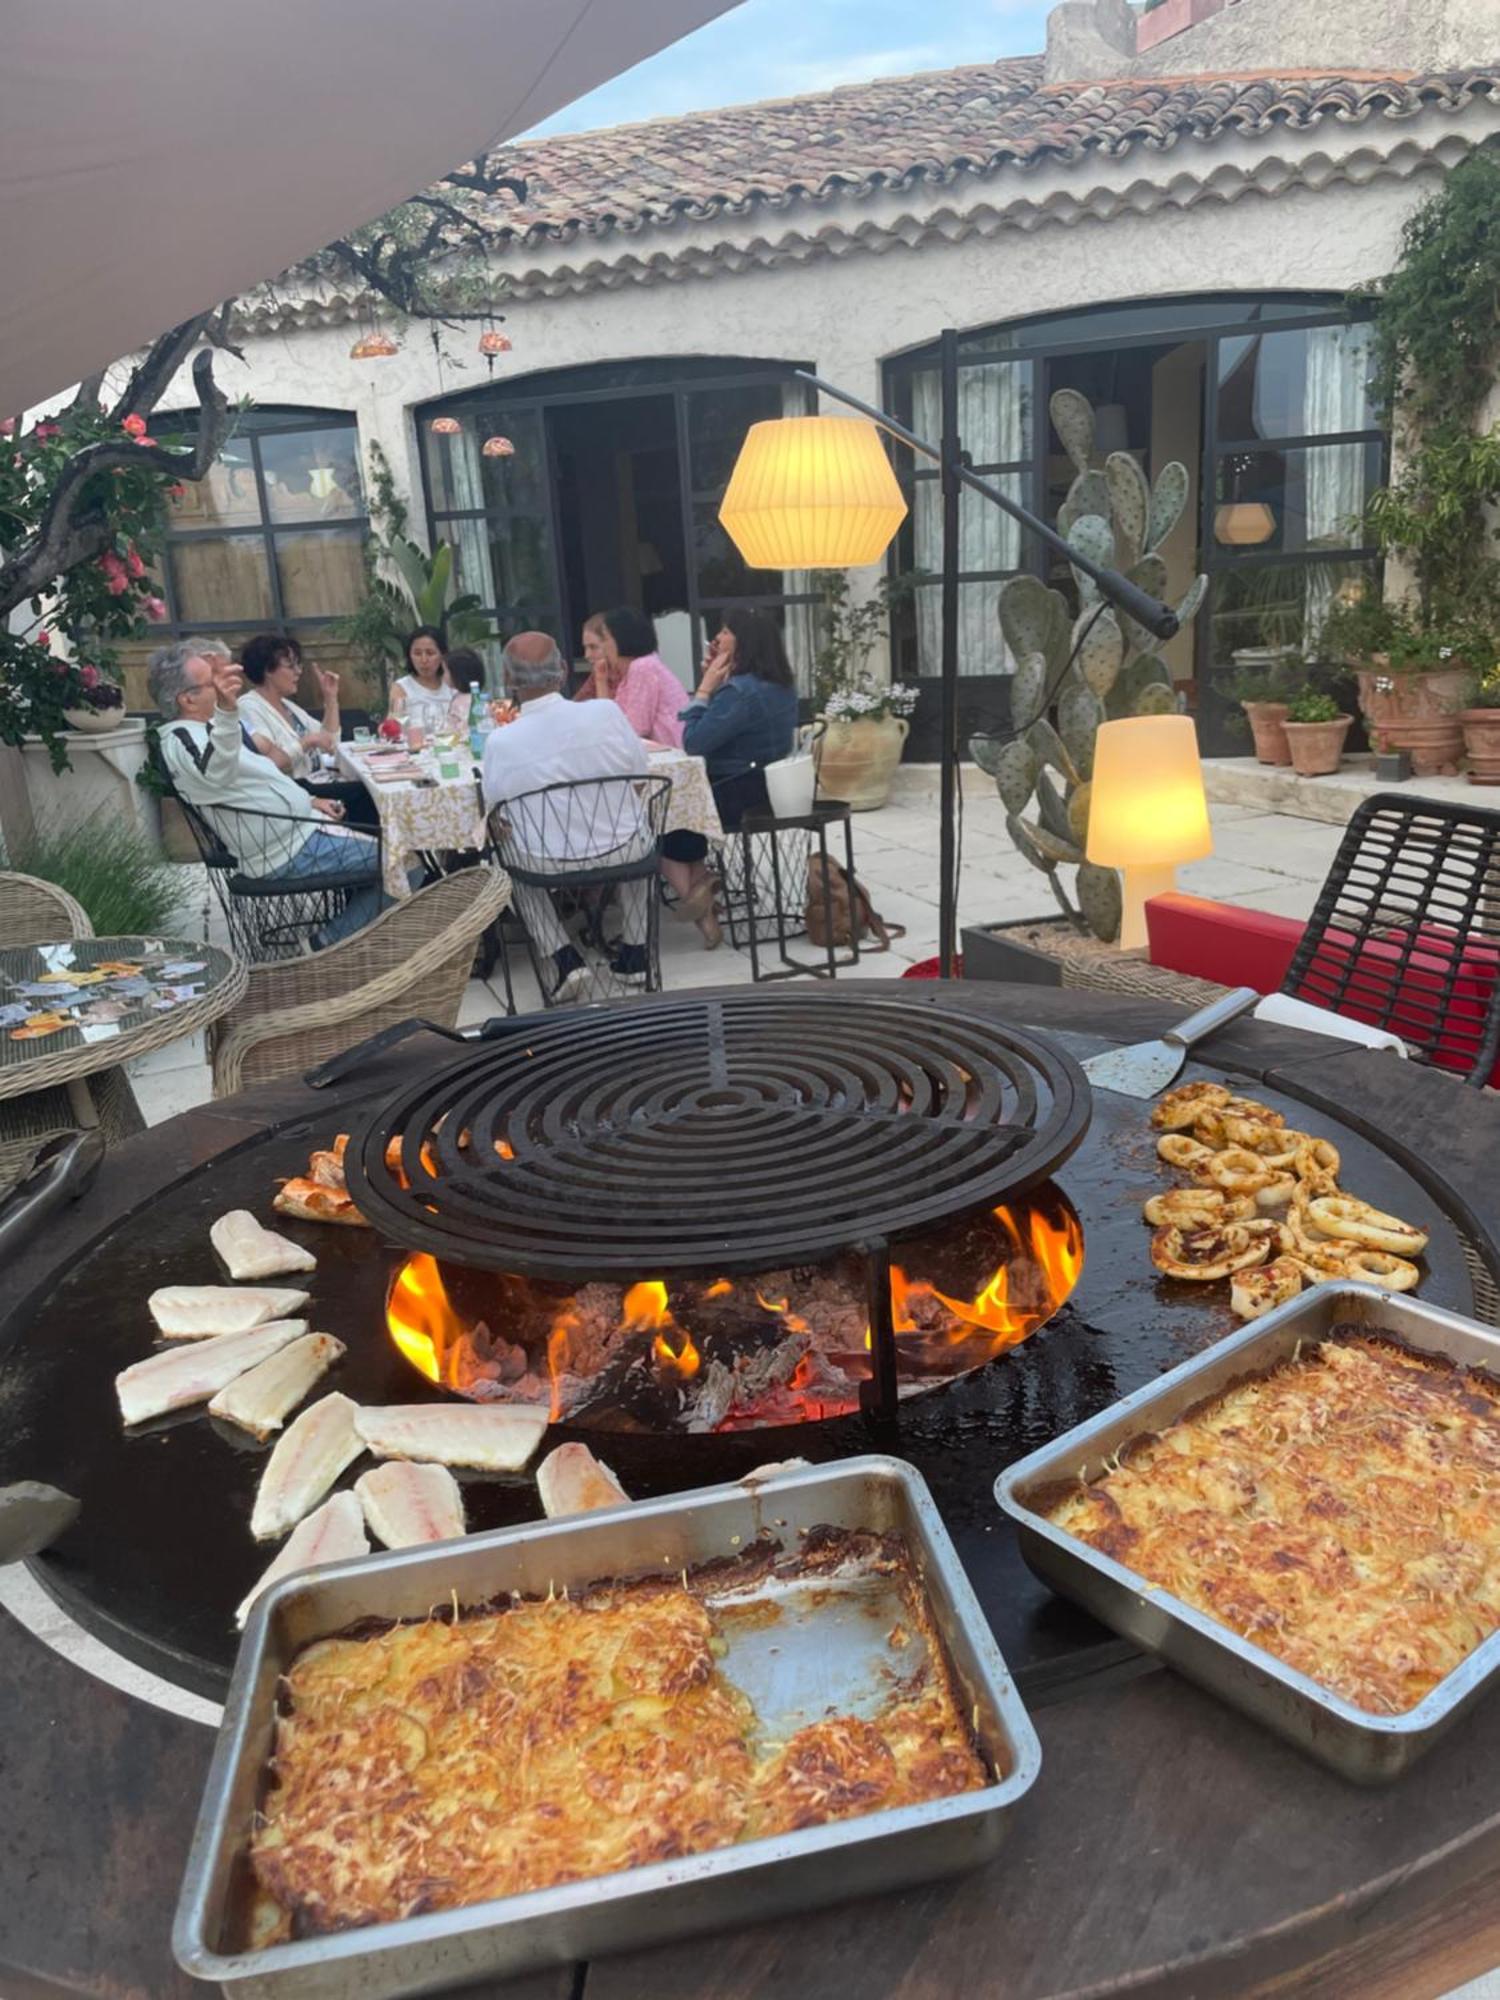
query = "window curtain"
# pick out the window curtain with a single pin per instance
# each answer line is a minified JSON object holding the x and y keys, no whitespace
{"x":1335,"y":398}
{"x":472,"y":569}
{"x":992,"y":426}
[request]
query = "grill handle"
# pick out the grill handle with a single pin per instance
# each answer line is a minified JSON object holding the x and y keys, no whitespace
{"x":347,"y":1060}
{"x":61,"y":1171}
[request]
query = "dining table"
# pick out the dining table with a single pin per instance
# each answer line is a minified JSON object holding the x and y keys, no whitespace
{"x":429,"y":801}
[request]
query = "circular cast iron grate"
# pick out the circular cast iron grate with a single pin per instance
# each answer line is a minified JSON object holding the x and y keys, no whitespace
{"x":727,"y":1133}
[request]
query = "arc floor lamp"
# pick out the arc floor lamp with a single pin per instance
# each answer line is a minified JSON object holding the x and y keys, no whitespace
{"x":820,"y":493}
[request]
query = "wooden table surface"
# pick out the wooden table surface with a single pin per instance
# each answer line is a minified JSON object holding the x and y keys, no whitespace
{"x":1169,"y":1847}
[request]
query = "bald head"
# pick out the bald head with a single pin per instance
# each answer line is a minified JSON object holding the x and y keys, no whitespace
{"x":532,"y":665}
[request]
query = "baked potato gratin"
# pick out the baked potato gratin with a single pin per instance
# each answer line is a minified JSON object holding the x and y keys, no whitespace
{"x":1341,"y":1511}
{"x":432,"y":1765}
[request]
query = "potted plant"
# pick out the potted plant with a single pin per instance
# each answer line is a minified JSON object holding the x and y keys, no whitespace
{"x":94,"y":704}
{"x":1315,"y":732}
{"x":1481,"y":726}
{"x":865,"y":722}
{"x":865,"y":726}
{"x":1261,"y":680}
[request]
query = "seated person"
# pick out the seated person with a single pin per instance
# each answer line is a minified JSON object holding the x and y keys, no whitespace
{"x":551,"y":742}
{"x":625,"y":668}
{"x":743,"y":717}
{"x":210,"y":767}
{"x":423,"y":698}
{"x":279,"y":728}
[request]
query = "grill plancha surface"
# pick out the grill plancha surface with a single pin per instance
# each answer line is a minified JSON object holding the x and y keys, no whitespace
{"x":161,"y":1552}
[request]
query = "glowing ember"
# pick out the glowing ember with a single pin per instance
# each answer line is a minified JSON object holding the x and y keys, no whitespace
{"x":790,"y":1346}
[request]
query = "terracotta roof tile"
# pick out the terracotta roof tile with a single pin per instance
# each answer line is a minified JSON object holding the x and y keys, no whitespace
{"x":897,"y":132}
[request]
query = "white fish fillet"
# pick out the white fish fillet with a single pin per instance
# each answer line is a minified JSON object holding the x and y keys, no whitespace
{"x":259,"y":1400}
{"x":196,"y":1312}
{"x":332,"y":1534}
{"x":306,"y":1460}
{"x":406,"y":1503}
{"x":192,"y":1374}
{"x":250,"y":1250}
{"x":572,"y":1481}
{"x":488,"y":1437}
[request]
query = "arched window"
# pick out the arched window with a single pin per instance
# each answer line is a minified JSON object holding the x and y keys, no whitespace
{"x":274,"y":536}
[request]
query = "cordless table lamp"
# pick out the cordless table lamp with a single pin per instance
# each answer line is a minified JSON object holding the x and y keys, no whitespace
{"x":1147,"y":811}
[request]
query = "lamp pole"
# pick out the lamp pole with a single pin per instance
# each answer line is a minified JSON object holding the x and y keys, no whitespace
{"x":954,"y":476}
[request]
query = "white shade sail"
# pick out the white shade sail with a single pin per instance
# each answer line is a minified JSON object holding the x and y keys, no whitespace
{"x":160,"y":156}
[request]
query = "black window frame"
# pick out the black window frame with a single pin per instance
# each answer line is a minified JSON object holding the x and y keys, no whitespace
{"x":281,"y":420}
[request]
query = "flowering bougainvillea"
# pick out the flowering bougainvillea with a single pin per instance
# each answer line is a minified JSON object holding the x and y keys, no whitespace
{"x":69,"y":662}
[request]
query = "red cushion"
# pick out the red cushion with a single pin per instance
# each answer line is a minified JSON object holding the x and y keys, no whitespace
{"x":1445,"y":987}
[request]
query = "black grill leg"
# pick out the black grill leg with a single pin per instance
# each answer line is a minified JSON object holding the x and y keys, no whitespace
{"x":877,"y":1396}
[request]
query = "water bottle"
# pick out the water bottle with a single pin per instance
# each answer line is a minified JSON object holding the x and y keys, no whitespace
{"x":481,"y":722}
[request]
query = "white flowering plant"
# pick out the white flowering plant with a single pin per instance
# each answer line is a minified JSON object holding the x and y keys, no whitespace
{"x":864,"y":699}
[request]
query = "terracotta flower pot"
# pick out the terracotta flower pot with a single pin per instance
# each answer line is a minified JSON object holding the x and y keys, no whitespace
{"x":1317,"y":747}
{"x":1435,"y":743}
{"x":857,"y":760}
{"x":1268,"y":727}
{"x":1387,"y":701}
{"x":1482,"y":742}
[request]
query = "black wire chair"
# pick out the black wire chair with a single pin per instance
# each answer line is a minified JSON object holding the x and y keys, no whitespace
{"x":1405,"y":933}
{"x":271,"y":913}
{"x":583,"y":858}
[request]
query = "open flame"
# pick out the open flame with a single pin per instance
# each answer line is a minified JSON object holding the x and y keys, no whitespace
{"x":791,"y":1347}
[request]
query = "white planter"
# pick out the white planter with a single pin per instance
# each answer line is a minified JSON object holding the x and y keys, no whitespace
{"x":101,"y":784}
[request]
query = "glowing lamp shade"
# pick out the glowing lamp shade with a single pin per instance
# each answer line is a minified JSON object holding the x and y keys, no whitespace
{"x":812,"y":493}
{"x":445,"y":427}
{"x":373,"y":347}
{"x":1147,"y":811}
{"x":1244,"y":524}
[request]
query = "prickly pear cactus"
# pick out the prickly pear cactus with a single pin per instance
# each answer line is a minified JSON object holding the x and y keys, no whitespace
{"x":1072,"y":674}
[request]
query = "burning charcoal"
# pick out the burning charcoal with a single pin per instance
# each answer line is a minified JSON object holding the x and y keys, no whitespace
{"x":712,"y":1397}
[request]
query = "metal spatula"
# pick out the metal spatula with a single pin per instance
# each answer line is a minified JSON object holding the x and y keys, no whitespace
{"x":1146,"y":1068}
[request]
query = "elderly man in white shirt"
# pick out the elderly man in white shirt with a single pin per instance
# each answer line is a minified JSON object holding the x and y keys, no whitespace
{"x":211,"y":766}
{"x":558,"y":742}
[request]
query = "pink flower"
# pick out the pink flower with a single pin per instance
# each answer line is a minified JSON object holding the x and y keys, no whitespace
{"x":89,"y":676}
{"x":44,"y":639}
{"x":134,"y":564}
{"x":117,"y":583}
{"x":134,"y":426}
{"x":45,"y":431}
{"x":145,"y":440}
{"x":110,"y":563}
{"x":7,"y":427}
{"x":154,"y":609}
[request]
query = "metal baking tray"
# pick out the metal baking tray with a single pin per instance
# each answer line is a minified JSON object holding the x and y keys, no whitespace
{"x":1370,"y":1749}
{"x":823,"y":1664}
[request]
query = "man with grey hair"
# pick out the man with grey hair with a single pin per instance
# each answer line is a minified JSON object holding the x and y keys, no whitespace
{"x":558,"y":742}
{"x":274,"y":828}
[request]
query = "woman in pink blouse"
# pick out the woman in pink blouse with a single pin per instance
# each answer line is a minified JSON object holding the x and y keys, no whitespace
{"x":625,"y":667}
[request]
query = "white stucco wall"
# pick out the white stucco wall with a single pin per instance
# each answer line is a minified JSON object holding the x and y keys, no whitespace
{"x":846,"y":287}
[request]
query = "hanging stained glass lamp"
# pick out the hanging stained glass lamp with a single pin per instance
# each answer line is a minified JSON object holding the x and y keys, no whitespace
{"x":491,"y":343}
{"x":498,"y":447}
{"x":373,"y":347}
{"x":446,"y":427}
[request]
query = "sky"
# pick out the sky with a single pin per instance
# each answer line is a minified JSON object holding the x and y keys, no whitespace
{"x":782,"y":48}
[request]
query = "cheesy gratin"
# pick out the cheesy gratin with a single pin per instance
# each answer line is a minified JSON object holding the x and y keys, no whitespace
{"x":433,"y":1765}
{"x":1341,"y":1511}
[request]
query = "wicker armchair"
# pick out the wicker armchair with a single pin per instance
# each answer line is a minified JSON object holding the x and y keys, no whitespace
{"x":37,"y":912}
{"x":415,"y":958}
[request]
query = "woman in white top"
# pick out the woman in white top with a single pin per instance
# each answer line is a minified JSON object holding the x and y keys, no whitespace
{"x":279,"y":728}
{"x":424,"y":695}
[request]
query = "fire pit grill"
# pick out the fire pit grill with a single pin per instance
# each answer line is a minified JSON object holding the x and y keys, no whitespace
{"x":728,"y":1133}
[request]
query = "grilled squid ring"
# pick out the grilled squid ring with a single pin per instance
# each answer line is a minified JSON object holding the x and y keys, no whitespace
{"x":1197,"y":1208}
{"x":1380,"y":1267}
{"x":1183,"y":1106}
{"x":1318,"y":1161}
{"x":1354,"y":1221}
{"x":1180,"y":1151}
{"x":1251,"y":1107}
{"x":1278,"y":1193}
{"x":1276,"y":1146}
{"x":1238,"y":1171}
{"x":1205,"y":1255}
{"x":1261,"y":1289}
{"x":1322,"y":1261}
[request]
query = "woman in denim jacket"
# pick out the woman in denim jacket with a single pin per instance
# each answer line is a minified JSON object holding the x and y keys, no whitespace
{"x":742,"y":717}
